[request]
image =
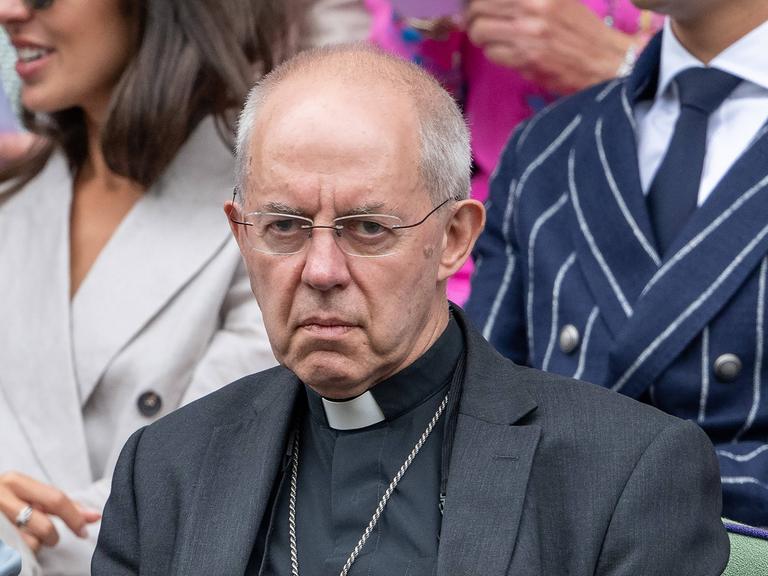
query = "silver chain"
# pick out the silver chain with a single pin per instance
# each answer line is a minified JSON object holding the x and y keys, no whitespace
{"x":292,"y":505}
{"x":379,"y":509}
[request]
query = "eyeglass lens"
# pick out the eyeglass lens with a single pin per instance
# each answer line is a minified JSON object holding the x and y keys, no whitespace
{"x":366,"y":235}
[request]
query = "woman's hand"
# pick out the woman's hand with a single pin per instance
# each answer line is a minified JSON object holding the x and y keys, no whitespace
{"x":559,"y":44}
{"x":17,"y":491}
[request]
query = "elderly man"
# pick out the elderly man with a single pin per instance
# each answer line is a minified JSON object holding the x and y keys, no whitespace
{"x":393,"y":439}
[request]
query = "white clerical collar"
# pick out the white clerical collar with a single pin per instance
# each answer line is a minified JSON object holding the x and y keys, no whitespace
{"x":352,"y":414}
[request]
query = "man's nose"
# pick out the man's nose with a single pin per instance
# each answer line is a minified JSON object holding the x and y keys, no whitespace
{"x":12,"y":11}
{"x":325,"y":266}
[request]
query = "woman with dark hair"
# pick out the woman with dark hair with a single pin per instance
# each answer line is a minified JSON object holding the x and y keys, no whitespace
{"x":122,"y":295}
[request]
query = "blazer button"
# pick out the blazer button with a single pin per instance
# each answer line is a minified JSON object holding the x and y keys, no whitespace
{"x":149,"y":404}
{"x":569,"y":338}
{"x":727,"y":367}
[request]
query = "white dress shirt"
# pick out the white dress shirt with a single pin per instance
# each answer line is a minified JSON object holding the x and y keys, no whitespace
{"x":732,"y":127}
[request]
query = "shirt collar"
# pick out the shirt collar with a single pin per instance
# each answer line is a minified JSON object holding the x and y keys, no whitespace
{"x":398,"y":394}
{"x":746,"y":58}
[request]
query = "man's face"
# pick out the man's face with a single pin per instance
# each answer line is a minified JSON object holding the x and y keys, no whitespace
{"x":340,"y":322}
{"x":679,"y":9}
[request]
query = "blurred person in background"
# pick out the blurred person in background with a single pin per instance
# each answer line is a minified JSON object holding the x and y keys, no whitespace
{"x":627,"y":236}
{"x":322,"y":22}
{"x":334,"y":22}
{"x":123,"y":295}
{"x":505,"y":60}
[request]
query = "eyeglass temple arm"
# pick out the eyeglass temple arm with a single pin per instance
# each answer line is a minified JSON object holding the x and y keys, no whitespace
{"x":420,"y":222}
{"x":234,"y":196}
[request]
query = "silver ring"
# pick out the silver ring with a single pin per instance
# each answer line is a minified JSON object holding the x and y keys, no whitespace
{"x":22,"y":518}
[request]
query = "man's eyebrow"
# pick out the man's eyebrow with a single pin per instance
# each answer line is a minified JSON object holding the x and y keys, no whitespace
{"x":281,"y":208}
{"x":373,"y":208}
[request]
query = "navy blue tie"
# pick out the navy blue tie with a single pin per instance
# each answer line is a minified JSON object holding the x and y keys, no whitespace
{"x":675,"y":188}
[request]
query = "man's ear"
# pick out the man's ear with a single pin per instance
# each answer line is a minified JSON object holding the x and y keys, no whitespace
{"x":233,"y":213}
{"x":461,"y":232}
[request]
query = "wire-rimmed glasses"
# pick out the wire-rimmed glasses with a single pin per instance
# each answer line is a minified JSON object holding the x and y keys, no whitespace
{"x":363,"y":235}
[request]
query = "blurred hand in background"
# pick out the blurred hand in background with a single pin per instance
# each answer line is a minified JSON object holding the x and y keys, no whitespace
{"x":560,"y":44}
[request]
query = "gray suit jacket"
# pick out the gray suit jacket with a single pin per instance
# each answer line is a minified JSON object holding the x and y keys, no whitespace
{"x":548,"y":476}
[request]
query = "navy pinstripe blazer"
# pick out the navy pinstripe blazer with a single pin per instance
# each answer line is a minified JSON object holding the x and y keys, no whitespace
{"x":569,"y":241}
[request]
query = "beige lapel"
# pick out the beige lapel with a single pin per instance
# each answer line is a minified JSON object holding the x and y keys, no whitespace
{"x":168,"y":237}
{"x":37,"y":380}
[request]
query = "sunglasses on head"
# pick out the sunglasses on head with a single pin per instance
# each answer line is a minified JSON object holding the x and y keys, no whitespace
{"x":38,"y":4}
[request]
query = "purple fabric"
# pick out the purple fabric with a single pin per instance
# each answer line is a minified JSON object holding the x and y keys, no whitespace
{"x":428,"y":8}
{"x":744,"y":530}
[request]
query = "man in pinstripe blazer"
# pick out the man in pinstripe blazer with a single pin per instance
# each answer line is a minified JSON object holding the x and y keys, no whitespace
{"x":573,"y":279}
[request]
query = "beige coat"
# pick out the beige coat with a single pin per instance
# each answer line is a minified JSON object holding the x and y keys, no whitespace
{"x":166,"y":308}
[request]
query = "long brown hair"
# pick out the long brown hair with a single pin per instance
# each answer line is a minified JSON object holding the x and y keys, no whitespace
{"x":194,"y":58}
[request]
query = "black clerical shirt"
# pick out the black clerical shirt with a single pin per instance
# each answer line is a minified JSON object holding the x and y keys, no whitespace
{"x":343,"y":474}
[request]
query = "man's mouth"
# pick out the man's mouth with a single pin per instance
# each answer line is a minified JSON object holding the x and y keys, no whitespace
{"x":327,"y":327}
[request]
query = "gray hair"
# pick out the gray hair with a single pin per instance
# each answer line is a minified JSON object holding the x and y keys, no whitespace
{"x":445,"y":162}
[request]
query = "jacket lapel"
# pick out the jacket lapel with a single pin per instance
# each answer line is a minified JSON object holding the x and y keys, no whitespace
{"x":236,"y":480}
{"x":613,"y":236}
{"x":720,"y":246}
{"x":170,"y":234}
{"x":36,"y":379}
{"x":490,"y":465}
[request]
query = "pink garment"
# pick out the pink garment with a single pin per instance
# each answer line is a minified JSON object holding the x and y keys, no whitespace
{"x":495,"y":99}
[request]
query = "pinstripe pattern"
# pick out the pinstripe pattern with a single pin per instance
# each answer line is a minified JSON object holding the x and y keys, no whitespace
{"x":591,"y":240}
{"x":509,"y":269}
{"x":695,"y":305}
{"x":628,"y":109}
{"x":649,"y":249}
{"x":478,"y":266}
{"x":744,"y":457}
{"x":503,"y":289}
{"x":556,"y":307}
{"x":652,"y":326}
{"x":504,"y":152}
{"x":585,"y":346}
{"x":759,"y":136}
{"x":759,"y":343}
{"x":507,"y":224}
{"x":530,"y":124}
{"x":541,"y":158}
{"x":701,"y":236}
{"x":608,"y":89}
{"x":743,"y":480}
{"x":540,"y":221}
{"x":704,"y":375}
{"x":527,"y":129}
